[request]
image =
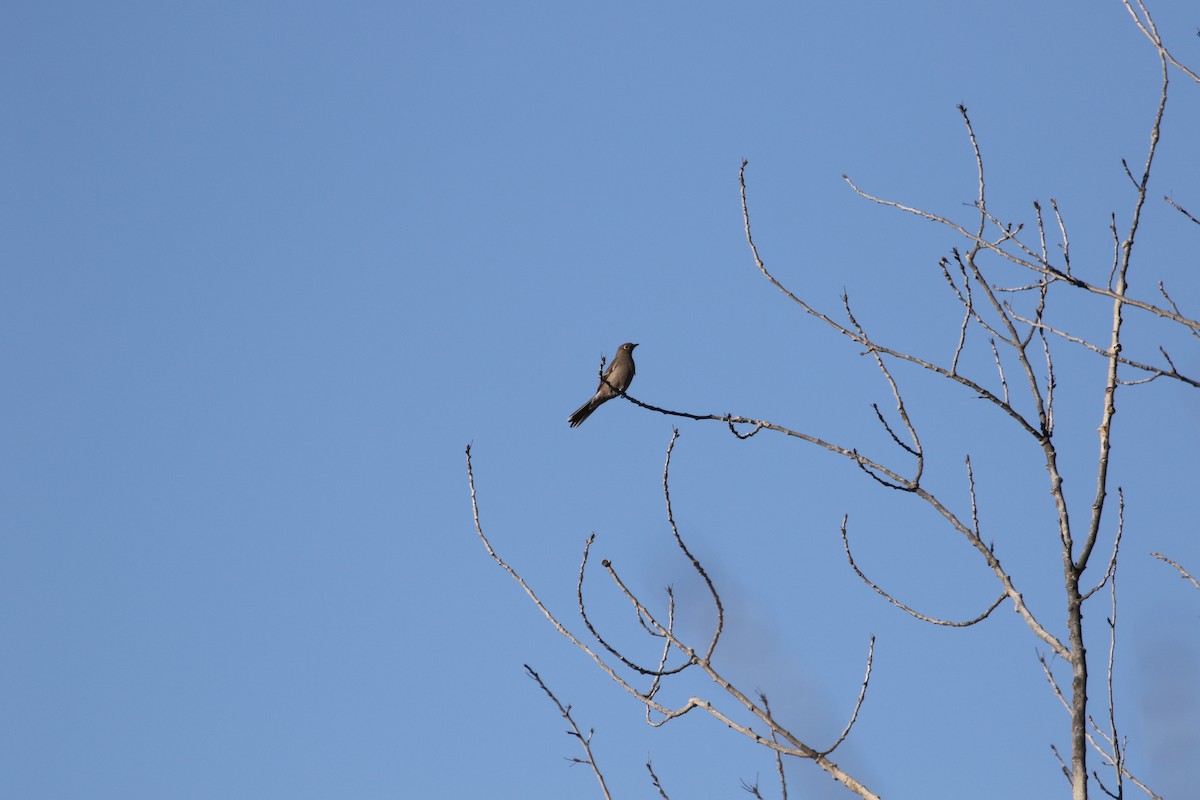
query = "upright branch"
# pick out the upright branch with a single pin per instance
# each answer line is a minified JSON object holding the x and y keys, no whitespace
{"x":1075,"y":564}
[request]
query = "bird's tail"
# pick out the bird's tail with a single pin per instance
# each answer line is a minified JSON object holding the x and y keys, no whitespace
{"x":583,"y":412}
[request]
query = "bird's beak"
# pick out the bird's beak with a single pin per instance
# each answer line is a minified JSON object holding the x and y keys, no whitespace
{"x":633,"y":346}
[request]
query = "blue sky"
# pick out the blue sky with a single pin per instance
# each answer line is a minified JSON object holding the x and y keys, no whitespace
{"x":268,"y":268}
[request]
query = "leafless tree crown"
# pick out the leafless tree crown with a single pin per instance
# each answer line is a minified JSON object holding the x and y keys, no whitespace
{"x":1017,"y":320}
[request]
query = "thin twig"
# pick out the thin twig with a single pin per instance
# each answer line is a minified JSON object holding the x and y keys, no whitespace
{"x":1033,"y":265}
{"x":999,"y":369}
{"x":1118,"y":752}
{"x":1153,"y":371}
{"x":862,"y":695}
{"x":584,"y":741}
{"x":1066,"y":243}
{"x":696,"y":565}
{"x":1151,"y":32}
{"x":778,"y":755}
{"x":1181,"y":209}
{"x":915,"y":449}
{"x":658,"y":673}
{"x":654,"y":779}
{"x":1162,"y":289}
{"x":1183,"y":572}
{"x":911,"y":611}
{"x":1111,"y":572}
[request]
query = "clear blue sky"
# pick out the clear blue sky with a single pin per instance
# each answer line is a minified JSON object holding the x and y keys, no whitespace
{"x":269,"y":267}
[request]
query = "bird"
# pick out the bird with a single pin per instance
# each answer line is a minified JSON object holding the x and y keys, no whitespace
{"x":616,"y":379}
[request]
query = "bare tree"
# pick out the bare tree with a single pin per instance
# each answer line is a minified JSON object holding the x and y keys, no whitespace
{"x":1024,"y":339}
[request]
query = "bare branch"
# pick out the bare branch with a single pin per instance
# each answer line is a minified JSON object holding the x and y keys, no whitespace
{"x":883,"y":421}
{"x":1094,"y":744}
{"x":1117,"y":319}
{"x":1053,"y":683}
{"x":980,"y":201}
{"x":1182,"y":572}
{"x":1142,"y":786}
{"x":752,"y":788}
{"x":1066,"y":243}
{"x":862,"y":695}
{"x":657,"y":674}
{"x":654,"y":779}
{"x":656,"y":684}
{"x":558,"y":626}
{"x":1041,"y":228}
{"x":1118,"y":752}
{"x":696,"y":565}
{"x":525,"y":586}
{"x":1002,"y":309}
{"x":584,"y":741}
{"x":1150,"y":30}
{"x":999,"y":369}
{"x":1063,"y":766}
{"x":854,"y":336}
{"x":1104,"y":788}
{"x":1111,"y":572}
{"x":900,"y":409}
{"x":1050,"y":384}
{"x":1048,"y":271}
{"x":1153,"y":371}
{"x":894,"y":480}
{"x":794,"y":747}
{"x":1163,"y":291}
{"x":778,"y":755}
{"x":912,"y":612}
{"x":1116,"y":237}
{"x":1180,"y":209}
{"x":964,"y":297}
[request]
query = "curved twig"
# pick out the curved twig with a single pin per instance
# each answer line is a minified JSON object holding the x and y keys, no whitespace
{"x":862,"y":695}
{"x":696,"y":565}
{"x":658,"y":673}
{"x":907,"y":609}
{"x":1182,"y":572}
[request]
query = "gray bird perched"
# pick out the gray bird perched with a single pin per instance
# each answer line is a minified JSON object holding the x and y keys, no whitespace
{"x":617,"y":378}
